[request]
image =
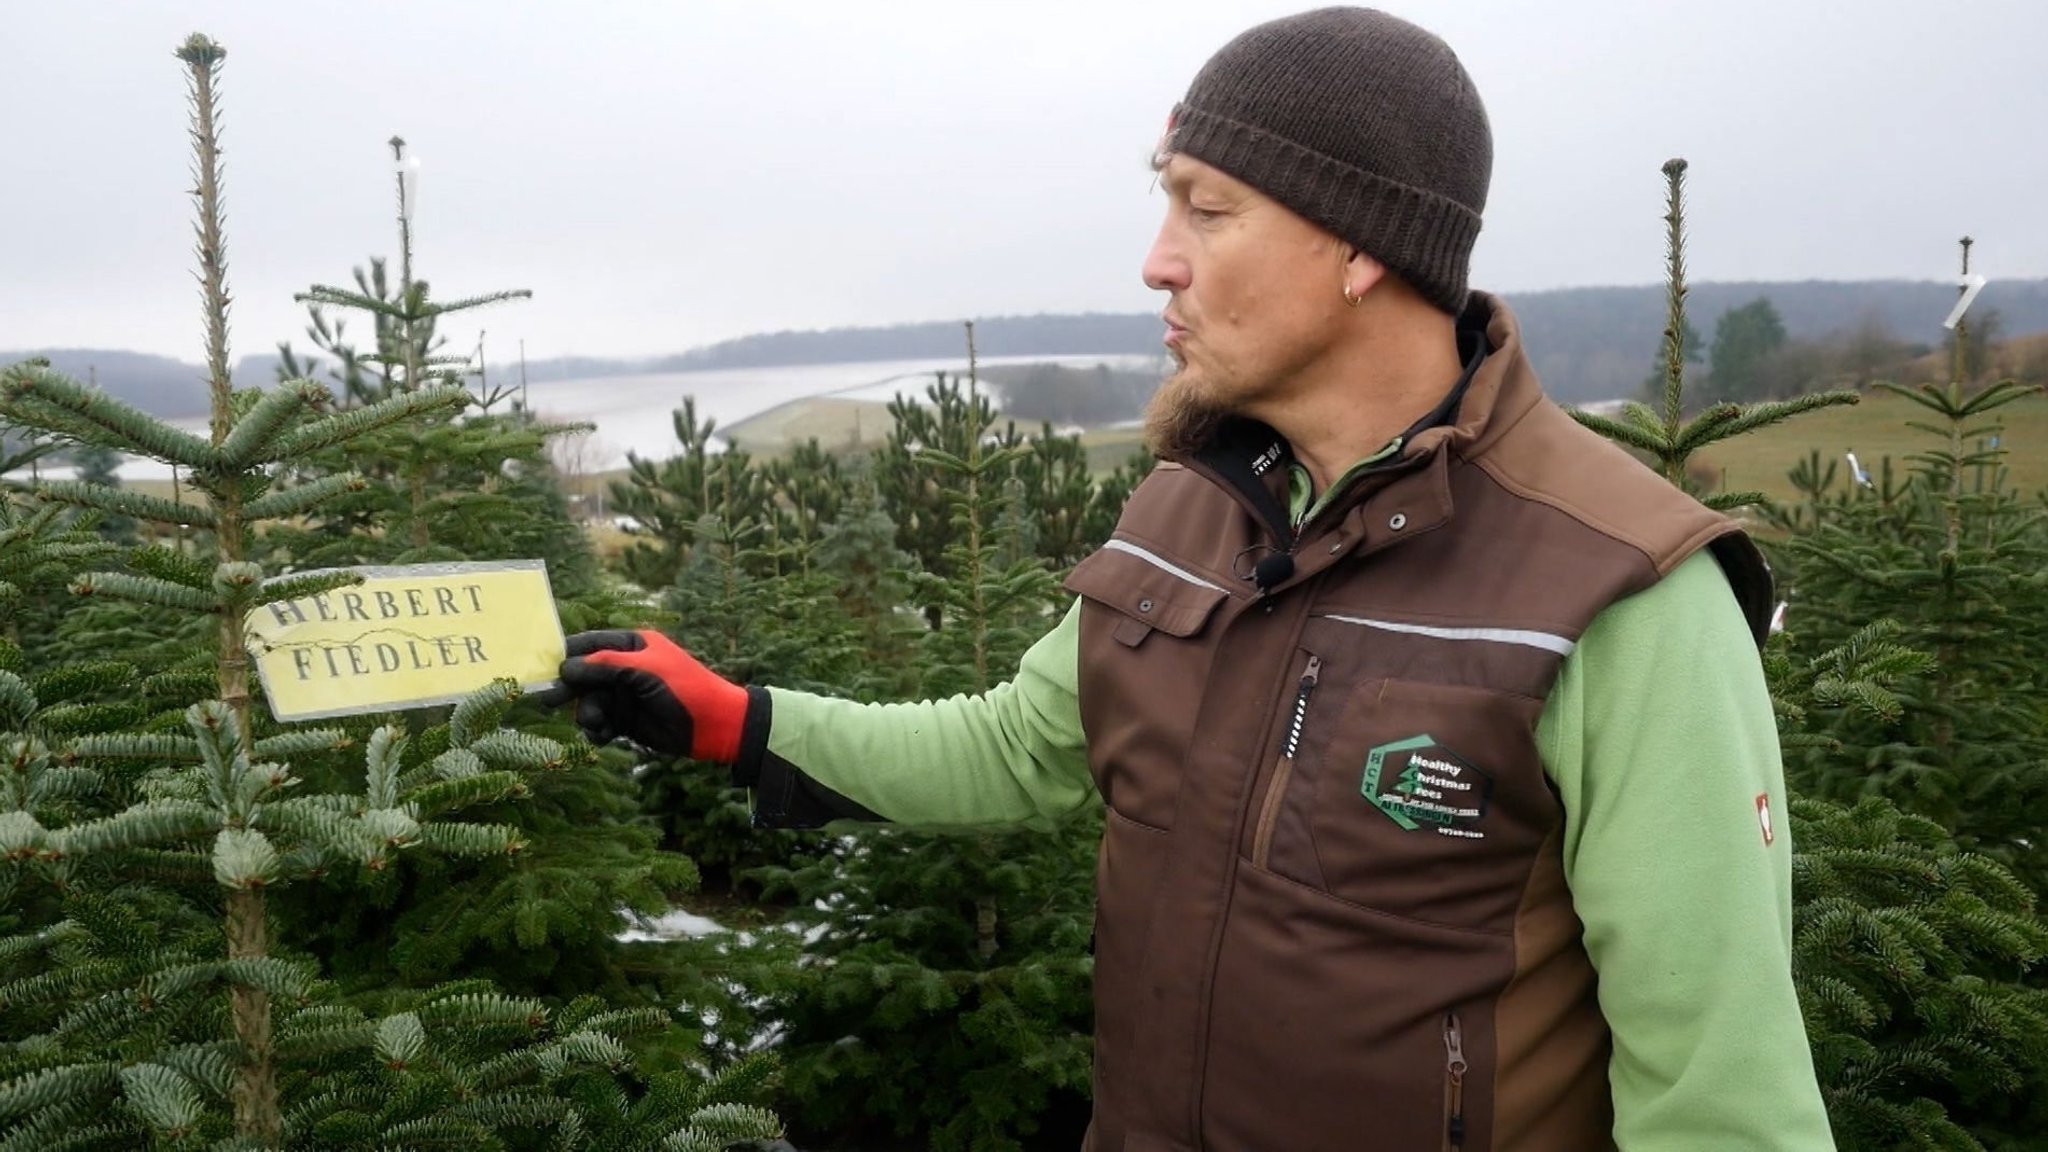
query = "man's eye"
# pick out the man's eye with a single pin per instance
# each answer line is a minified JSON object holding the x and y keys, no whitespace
{"x":1201,"y":215}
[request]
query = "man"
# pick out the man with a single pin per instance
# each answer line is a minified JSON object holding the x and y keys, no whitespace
{"x":1444,"y":800}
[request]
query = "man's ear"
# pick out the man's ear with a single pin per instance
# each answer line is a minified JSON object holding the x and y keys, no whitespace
{"x":1362,"y":271}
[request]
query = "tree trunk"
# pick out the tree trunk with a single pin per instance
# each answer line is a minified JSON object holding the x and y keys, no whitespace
{"x":255,"y":1092}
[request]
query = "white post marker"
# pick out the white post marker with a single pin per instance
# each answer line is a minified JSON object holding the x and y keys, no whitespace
{"x":1971,"y":285}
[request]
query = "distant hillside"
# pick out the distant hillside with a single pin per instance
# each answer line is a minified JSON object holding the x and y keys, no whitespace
{"x":1588,"y":343}
{"x":158,"y":385}
{"x":1598,"y":343}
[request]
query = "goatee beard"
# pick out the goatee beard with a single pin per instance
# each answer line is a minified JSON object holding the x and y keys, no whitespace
{"x":1180,"y":418}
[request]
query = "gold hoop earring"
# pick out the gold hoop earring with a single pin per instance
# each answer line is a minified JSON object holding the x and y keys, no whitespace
{"x":1354,"y":301}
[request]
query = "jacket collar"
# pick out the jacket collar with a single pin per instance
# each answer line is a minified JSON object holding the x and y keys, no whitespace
{"x":1250,"y":460}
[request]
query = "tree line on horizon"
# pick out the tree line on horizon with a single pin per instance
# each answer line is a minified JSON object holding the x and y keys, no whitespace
{"x":1588,"y":344}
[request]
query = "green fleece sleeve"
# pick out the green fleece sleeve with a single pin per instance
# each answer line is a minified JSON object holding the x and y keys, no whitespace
{"x":1013,"y":755}
{"x":1660,"y":738}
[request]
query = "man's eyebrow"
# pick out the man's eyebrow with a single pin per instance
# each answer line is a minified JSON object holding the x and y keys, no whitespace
{"x":1166,"y":176}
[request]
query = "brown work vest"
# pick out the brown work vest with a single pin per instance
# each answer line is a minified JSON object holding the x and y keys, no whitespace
{"x":1331,"y":903}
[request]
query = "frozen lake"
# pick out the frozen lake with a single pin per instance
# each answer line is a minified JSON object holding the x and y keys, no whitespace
{"x":632,"y":413}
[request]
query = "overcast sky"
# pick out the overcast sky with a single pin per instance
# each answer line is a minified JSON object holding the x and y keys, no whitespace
{"x":663,"y":175}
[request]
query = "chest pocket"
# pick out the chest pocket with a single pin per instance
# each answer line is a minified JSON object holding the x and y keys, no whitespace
{"x":1414,"y":787}
{"x":1145,"y":659}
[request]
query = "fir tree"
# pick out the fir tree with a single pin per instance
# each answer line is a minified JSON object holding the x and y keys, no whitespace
{"x":1953,"y":558}
{"x":946,"y":989}
{"x":472,"y":484}
{"x":125,"y":1022}
{"x":1666,"y":438}
{"x":667,"y":499}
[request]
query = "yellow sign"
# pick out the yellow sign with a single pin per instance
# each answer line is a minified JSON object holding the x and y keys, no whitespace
{"x":407,"y":637}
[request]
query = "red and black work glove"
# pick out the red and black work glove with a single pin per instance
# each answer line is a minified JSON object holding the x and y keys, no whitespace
{"x":643,"y":687}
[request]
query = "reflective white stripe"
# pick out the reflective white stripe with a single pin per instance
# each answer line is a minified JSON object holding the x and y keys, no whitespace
{"x":1543,"y":640}
{"x":1162,"y":564}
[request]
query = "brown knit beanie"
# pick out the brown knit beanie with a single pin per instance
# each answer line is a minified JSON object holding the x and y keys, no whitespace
{"x":1359,"y":122}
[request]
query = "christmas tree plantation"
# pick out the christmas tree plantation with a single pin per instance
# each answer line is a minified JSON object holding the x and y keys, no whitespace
{"x":147,"y":996}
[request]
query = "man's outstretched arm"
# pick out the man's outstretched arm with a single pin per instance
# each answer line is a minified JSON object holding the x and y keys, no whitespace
{"x":1012,"y":755}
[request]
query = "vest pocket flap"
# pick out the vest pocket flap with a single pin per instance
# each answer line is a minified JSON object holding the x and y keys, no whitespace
{"x":1151,"y":590}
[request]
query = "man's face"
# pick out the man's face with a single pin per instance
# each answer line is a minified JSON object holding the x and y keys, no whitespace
{"x":1256,"y":299}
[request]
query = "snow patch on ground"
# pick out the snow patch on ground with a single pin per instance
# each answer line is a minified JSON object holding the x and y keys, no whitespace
{"x":675,"y":924}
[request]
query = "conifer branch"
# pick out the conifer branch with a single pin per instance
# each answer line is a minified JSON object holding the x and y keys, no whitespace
{"x":452,"y":795}
{"x":170,"y":867}
{"x":342,"y":427}
{"x":387,"y":830}
{"x":399,"y":1040}
{"x":385,"y":756}
{"x":471,"y":1009}
{"x":76,"y":680}
{"x":458,"y":764}
{"x":299,"y":499}
{"x":520,"y":750}
{"x":303,"y":742}
{"x":125,"y":502}
{"x":22,"y":837}
{"x":481,"y":710}
{"x":1729,"y":501}
{"x":145,"y":590}
{"x":17,"y":702}
{"x":147,"y":825}
{"x":54,"y":1086}
{"x":161,"y":746}
{"x":165,"y":564}
{"x":37,"y":397}
{"x":268,"y":973}
{"x":307,"y":1043}
{"x":472,"y":840}
{"x":331,"y":835}
{"x":243,"y":859}
{"x":62,"y":932}
{"x":207,"y":1065}
{"x":165,"y":1099}
{"x":469,"y":302}
{"x":1763,"y":415}
{"x":245,"y":442}
{"x":287,"y":588}
{"x":1621,"y":432}
{"x":320,"y":294}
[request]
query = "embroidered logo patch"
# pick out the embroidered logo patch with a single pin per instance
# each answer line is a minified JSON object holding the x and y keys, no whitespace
{"x":1763,"y":818}
{"x":1419,"y":784}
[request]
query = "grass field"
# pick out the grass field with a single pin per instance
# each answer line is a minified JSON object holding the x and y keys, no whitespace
{"x":836,"y":423}
{"x":1873,"y":429}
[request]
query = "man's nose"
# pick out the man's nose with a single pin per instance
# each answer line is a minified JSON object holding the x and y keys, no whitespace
{"x":1165,"y":270}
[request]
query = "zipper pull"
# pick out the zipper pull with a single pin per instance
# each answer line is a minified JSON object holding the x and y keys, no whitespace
{"x":1454,"y":1048}
{"x":1305,"y":688}
{"x":1455,"y":1065}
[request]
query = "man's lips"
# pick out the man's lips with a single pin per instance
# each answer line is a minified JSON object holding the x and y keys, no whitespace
{"x":1174,"y":331}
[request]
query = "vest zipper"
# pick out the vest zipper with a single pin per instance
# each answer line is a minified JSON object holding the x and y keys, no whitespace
{"x":1269,"y":810}
{"x":1454,"y":1084}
